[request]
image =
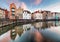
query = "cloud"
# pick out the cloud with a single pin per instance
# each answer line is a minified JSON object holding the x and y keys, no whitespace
{"x":54,"y":7}
{"x":18,"y":3}
{"x":23,"y":5}
{"x":37,"y":2}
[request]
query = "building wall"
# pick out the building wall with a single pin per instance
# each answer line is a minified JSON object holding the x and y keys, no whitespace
{"x":26,"y":15}
{"x":12,"y":11}
{"x":2,"y":13}
{"x":19,"y":13}
{"x":37,"y":15}
{"x":50,"y":15}
{"x":47,"y":15}
{"x":6,"y":14}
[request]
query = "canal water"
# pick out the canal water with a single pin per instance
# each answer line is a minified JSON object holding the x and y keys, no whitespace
{"x":33,"y":32}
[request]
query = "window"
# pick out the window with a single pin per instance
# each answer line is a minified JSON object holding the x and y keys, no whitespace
{"x":13,"y":14}
{"x":13,"y":9}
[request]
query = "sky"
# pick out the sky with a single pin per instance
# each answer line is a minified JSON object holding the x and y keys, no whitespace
{"x":32,"y":5}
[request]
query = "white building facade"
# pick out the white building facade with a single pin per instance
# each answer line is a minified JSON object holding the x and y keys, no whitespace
{"x":26,"y":14}
{"x":37,"y":15}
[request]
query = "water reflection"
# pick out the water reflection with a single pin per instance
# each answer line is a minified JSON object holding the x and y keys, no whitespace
{"x":37,"y":25}
{"x":34,"y":32}
{"x":26,"y":27}
{"x":13,"y":34}
{"x":19,"y":30}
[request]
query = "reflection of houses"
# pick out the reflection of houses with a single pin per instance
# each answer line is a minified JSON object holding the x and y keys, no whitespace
{"x":50,"y":23}
{"x":38,"y":25}
{"x":19,"y":30}
{"x":57,"y":23}
{"x":37,"y":15}
{"x":56,"y":15}
{"x":19,"y":12}
{"x":26,"y":14}
{"x":13,"y":34}
{"x":12,"y":11}
{"x":2,"y":13}
{"x":49,"y":15}
{"x":44,"y":24}
{"x":26,"y":27}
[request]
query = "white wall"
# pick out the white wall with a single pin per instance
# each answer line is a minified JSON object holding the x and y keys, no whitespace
{"x":38,"y":16}
{"x":53,"y":15}
{"x":26,"y":16}
{"x":50,"y":17}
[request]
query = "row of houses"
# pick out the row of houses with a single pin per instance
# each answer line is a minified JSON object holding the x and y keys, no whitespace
{"x":45,"y":15}
{"x":20,"y":13}
{"x":3,"y":13}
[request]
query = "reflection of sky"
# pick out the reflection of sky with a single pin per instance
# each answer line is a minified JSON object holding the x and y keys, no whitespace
{"x":52,"y":33}
{"x":32,"y":4}
{"x":5,"y":37}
